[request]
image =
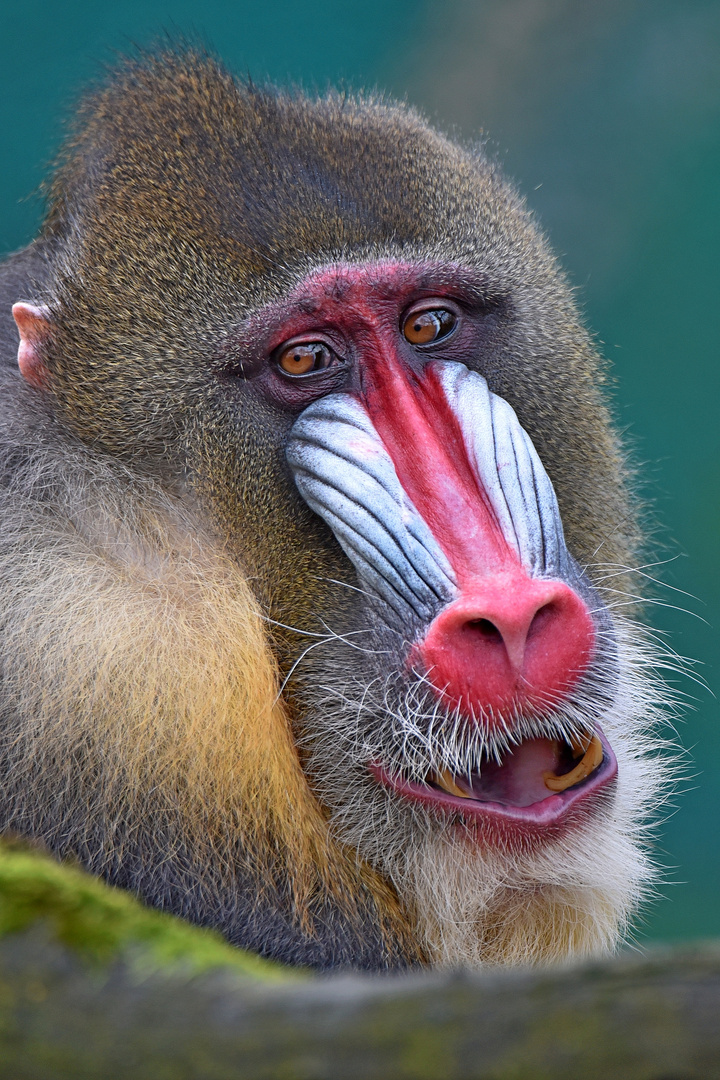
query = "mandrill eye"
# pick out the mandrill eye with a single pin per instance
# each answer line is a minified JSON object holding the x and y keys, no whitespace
{"x":305,"y":358}
{"x":428,"y":326}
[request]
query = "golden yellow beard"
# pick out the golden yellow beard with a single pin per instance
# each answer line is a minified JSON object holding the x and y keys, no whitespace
{"x":152,"y":695}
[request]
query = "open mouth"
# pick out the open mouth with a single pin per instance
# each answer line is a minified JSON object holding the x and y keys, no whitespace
{"x":539,"y":783}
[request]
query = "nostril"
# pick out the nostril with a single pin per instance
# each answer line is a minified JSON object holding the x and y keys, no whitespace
{"x":541,"y":618}
{"x":488,"y":629}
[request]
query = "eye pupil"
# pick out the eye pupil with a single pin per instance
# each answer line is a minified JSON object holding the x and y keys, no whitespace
{"x":425,"y":327}
{"x":304,"y":358}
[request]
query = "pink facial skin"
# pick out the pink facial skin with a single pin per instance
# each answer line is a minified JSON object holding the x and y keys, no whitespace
{"x":509,"y":641}
{"x":505,"y":642}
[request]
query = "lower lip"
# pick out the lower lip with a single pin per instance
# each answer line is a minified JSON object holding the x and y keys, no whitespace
{"x":498,"y":823}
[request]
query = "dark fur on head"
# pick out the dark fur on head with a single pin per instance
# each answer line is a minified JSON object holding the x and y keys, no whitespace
{"x":186,"y":200}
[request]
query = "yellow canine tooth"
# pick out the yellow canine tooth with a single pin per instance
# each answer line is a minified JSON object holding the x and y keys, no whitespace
{"x":580,"y":744}
{"x":446,"y":782}
{"x":591,"y":759}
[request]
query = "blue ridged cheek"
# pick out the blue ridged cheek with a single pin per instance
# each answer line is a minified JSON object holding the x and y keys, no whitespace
{"x":345,"y":474}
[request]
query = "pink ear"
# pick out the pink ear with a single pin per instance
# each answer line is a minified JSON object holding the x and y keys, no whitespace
{"x":33,"y":322}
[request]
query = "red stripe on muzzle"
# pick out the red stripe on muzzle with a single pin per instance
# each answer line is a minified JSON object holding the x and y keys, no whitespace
{"x":509,"y":641}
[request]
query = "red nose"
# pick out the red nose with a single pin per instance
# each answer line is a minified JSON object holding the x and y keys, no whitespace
{"x":508,"y":642}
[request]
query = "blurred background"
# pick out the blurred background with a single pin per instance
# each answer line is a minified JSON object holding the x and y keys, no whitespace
{"x":607,"y":115}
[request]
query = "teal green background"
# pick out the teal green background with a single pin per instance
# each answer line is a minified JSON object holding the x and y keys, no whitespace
{"x":608,"y":117}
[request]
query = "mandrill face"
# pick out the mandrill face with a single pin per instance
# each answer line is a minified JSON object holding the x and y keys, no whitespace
{"x":319,"y":532}
{"x":473,"y":608}
{"x":462,"y":705}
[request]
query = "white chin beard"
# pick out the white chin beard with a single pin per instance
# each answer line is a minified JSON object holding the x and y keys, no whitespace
{"x":476,"y":907}
{"x":575,"y":896}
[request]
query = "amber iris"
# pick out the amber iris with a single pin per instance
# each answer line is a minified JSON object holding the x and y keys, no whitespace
{"x":428,"y":326}
{"x":305,"y":358}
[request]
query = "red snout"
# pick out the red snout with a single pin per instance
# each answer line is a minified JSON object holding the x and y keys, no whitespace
{"x":508,"y":642}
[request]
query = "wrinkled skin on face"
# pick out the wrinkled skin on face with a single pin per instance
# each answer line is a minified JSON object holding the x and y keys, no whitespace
{"x":303,"y":429}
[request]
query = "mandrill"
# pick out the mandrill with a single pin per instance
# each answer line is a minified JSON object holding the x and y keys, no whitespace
{"x":314,"y":529}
